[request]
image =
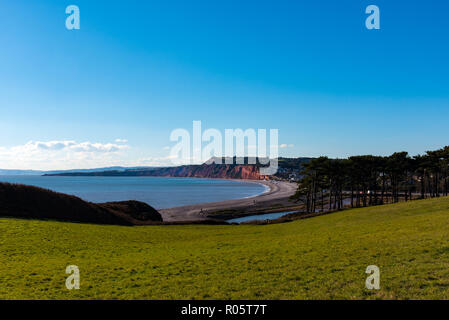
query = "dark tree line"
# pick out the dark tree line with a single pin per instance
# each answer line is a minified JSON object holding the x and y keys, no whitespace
{"x":360,"y":181}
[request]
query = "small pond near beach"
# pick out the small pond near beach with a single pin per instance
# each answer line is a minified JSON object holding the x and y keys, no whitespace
{"x":260,"y":217}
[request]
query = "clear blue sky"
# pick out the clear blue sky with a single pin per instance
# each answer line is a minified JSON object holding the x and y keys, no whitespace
{"x":136,"y":70}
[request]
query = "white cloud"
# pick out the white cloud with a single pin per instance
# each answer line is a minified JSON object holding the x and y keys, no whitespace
{"x":97,"y":147}
{"x":53,"y":145}
{"x":121,"y":140}
{"x":153,"y":162}
{"x":64,"y":154}
{"x":70,"y":154}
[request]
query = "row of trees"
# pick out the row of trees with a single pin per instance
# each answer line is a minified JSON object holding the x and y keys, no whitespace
{"x":331,"y":184}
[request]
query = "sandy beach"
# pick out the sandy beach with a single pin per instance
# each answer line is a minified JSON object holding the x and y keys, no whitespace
{"x":277,"y":195}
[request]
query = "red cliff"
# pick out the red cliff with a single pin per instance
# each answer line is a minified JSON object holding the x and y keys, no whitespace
{"x":223,"y":171}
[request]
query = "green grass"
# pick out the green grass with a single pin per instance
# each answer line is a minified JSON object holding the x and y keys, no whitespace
{"x":318,"y":258}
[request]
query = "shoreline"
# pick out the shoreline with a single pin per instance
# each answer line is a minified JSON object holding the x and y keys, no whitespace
{"x":275,"y":198}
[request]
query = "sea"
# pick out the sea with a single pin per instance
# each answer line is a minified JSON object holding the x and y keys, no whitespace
{"x":159,"y":192}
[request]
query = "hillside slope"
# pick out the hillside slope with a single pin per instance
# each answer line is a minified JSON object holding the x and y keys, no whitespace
{"x":22,"y":201}
{"x":319,"y":258}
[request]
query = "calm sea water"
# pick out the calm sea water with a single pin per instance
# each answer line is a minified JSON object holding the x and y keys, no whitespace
{"x":156,"y":191}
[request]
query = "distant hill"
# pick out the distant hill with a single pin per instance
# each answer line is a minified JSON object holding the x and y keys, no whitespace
{"x":214,"y":168}
{"x":192,"y":171}
{"x":20,"y":201}
{"x":8,"y":172}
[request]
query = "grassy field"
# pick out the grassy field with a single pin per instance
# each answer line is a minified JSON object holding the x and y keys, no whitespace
{"x":318,"y":258}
